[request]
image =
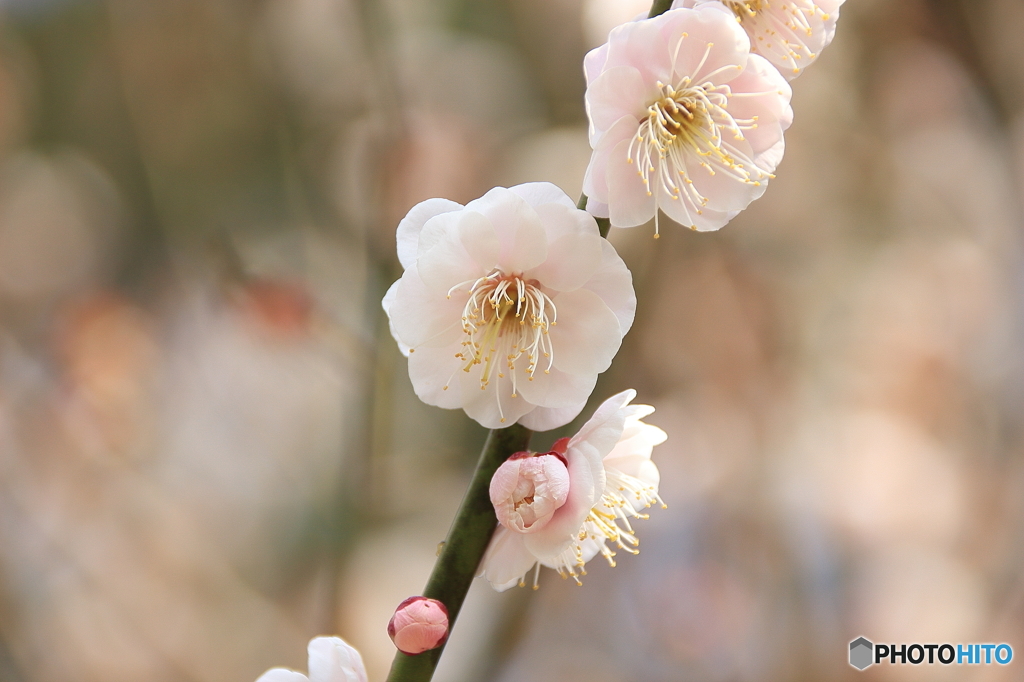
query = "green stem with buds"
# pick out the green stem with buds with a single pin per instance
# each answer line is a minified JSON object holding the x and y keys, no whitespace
{"x":462,"y":551}
{"x":471,"y":532}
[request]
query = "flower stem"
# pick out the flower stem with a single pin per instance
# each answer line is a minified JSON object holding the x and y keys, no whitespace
{"x":603,"y":224}
{"x":659,"y":7}
{"x":464,"y":548}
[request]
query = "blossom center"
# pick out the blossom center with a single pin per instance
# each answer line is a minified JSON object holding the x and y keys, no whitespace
{"x":688,"y":128}
{"x":506,"y":318}
{"x":745,"y":9}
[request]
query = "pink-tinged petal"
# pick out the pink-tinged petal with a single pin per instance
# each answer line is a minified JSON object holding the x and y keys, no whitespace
{"x":422,"y":317}
{"x":594,"y":62}
{"x":547,"y":418}
{"x":526,"y":491}
{"x":618,"y":92}
{"x":431,"y":369}
{"x":408,"y":234}
{"x":595,"y":183}
{"x":506,"y":560}
{"x":479,"y":240}
{"x":557,"y":389}
{"x":540,"y":193}
{"x":520,"y":233}
{"x":560,"y":221}
{"x":419,"y":624}
{"x":708,"y":25}
{"x":642,"y":45}
{"x":629,"y":203}
{"x":584,"y":483}
{"x":613,"y":282}
{"x":772,"y":104}
{"x":572,"y":261}
{"x":602,"y":431}
{"x":331,"y":659}
{"x":587,"y":335}
{"x":282,"y":675}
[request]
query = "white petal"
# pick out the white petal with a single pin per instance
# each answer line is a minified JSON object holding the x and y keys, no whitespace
{"x":408,"y":234}
{"x":421,"y":316}
{"x":572,"y":261}
{"x":506,"y":560}
{"x":613,"y":282}
{"x":602,"y":431}
{"x":540,"y":193}
{"x":557,"y":389}
{"x":520,"y":233}
{"x":386,"y":302}
{"x":431,"y":369}
{"x":447,"y":263}
{"x":618,"y":92}
{"x":629,"y":203}
{"x":547,"y":418}
{"x":494,"y":404}
{"x":709,"y":24}
{"x":282,"y":675}
{"x":331,"y":659}
{"x":559,"y":221}
{"x":587,"y":334}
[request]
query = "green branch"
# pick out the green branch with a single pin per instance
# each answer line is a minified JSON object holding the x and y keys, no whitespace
{"x":464,"y":548}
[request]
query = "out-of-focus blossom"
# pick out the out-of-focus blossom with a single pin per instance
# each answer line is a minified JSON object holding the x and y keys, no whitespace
{"x":510,"y":306}
{"x":331,"y":659}
{"x":682,"y":119}
{"x":419,"y":624}
{"x":561,"y":508}
{"x":789,"y":33}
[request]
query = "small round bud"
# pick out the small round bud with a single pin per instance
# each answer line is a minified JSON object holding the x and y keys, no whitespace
{"x":419,"y":624}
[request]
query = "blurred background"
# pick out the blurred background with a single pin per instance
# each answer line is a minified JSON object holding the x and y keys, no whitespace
{"x":209,"y":448}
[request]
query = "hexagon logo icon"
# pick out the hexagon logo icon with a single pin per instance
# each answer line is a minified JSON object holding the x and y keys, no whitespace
{"x":861,"y":653}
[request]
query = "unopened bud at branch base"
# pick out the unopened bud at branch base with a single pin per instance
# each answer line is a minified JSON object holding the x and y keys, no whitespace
{"x":419,"y":624}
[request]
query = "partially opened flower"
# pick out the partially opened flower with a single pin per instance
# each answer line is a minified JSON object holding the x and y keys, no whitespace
{"x":789,"y":33}
{"x":510,"y":306}
{"x":331,"y":659}
{"x":562,"y":508}
{"x":682,"y":119}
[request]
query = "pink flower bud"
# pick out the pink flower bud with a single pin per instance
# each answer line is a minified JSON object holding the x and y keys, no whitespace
{"x":419,"y":624}
{"x":528,"y":488}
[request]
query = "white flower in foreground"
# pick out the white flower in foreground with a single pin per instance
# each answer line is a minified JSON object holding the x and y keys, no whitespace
{"x":331,"y":659}
{"x":510,"y":306}
{"x":789,"y":33}
{"x":561,"y":508}
{"x":682,"y":119}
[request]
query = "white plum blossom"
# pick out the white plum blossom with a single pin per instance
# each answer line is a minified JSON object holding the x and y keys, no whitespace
{"x":331,"y":659}
{"x":682,"y":119}
{"x":562,"y":508}
{"x":789,"y":33}
{"x":510,"y":306}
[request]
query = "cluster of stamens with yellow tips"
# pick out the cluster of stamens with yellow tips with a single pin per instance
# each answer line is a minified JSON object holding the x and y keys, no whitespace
{"x":770,"y":30}
{"x":505,"y":318}
{"x":608,"y":522}
{"x":691,"y":121}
